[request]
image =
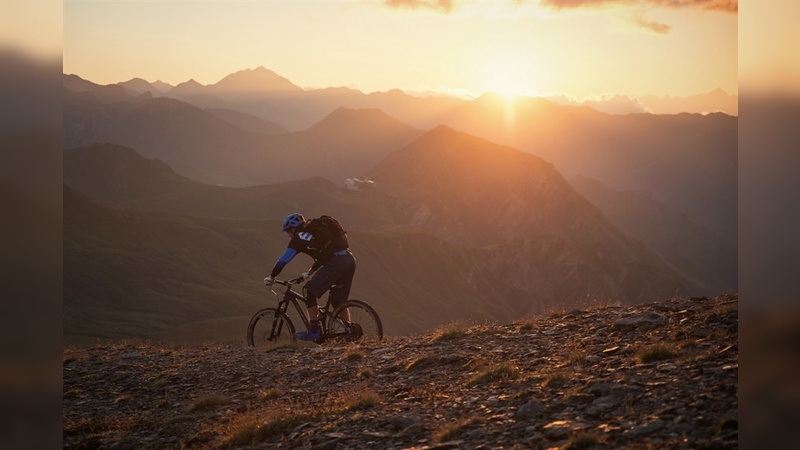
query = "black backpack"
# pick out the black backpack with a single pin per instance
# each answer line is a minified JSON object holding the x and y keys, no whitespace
{"x":328,"y":233}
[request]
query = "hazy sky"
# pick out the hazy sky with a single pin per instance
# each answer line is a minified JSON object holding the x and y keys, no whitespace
{"x":579,"y":48}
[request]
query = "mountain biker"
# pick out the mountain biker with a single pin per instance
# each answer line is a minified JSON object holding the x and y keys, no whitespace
{"x":333,"y":268}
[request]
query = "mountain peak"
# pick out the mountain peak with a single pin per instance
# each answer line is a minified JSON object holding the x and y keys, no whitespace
{"x":186,"y":88}
{"x":259,"y":79}
{"x":347,"y":118}
{"x":190,"y":83}
{"x":138,"y":85}
{"x":445,"y":159}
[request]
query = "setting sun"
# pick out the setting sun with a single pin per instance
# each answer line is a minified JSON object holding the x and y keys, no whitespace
{"x":509,"y":75}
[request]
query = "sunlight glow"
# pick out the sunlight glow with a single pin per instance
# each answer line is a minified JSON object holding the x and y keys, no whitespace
{"x":509,"y":75}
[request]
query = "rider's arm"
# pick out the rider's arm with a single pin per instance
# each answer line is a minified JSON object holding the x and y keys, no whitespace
{"x":285,"y":259}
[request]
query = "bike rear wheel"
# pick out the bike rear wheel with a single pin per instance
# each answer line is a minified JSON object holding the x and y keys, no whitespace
{"x":364,"y":323}
{"x":270,"y":327}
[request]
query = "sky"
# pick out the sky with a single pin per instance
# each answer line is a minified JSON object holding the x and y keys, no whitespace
{"x":578,"y":48}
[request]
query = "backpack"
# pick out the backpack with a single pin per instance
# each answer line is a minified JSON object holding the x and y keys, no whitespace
{"x":328,"y":232}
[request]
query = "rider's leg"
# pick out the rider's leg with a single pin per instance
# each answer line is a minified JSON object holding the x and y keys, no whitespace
{"x":338,"y":270}
{"x":312,"y":307}
{"x":334,"y":297}
{"x":341,"y":291}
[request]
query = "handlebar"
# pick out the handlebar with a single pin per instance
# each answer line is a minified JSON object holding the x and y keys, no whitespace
{"x":286,"y":283}
{"x":289,"y":283}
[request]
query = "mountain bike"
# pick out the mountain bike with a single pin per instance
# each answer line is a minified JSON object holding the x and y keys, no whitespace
{"x":270,"y":326}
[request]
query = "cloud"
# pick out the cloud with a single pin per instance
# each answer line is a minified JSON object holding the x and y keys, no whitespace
{"x":731,"y":6}
{"x":656,"y":27}
{"x":444,"y":6}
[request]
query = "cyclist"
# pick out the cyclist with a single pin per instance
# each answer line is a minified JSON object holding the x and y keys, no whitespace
{"x":333,"y":268}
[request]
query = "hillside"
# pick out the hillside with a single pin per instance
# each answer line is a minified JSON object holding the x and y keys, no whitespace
{"x":545,"y":243}
{"x":688,"y":245}
{"x":658,"y":375}
{"x":136,"y":273}
{"x":687,"y":161}
{"x":247,"y":122}
{"x":119,"y":175}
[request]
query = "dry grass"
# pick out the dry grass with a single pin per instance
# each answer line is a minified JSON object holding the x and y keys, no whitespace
{"x":164,"y":402}
{"x":99,"y":425}
{"x":362,"y":400}
{"x":450,"y":331}
{"x":353,"y":354}
{"x":556,"y":379}
{"x":269,"y":394}
{"x":583,"y":440}
{"x":577,"y":356}
{"x":123,"y":398}
{"x":653,"y":353}
{"x":210,"y":401}
{"x":497,"y":372}
{"x":525,"y":326}
{"x":423,"y":362}
{"x":453,"y":430}
{"x":255,"y":428}
{"x":253,"y":432}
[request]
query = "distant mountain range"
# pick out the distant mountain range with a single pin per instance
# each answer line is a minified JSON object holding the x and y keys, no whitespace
{"x":687,"y":161}
{"x":173,"y":198}
{"x":224,"y":148}
{"x":264,"y":83}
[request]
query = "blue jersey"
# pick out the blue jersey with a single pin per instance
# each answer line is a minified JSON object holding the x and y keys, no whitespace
{"x":302,"y":242}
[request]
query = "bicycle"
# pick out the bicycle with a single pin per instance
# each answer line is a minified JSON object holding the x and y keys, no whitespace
{"x":273,"y":325}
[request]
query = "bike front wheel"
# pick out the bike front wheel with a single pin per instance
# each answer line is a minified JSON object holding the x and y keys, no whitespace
{"x":270,"y":327}
{"x":362,"y":324}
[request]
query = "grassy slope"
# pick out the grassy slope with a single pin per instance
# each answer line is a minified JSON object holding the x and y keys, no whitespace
{"x":130,"y":272}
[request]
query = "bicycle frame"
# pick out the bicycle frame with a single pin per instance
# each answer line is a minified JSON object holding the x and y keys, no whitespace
{"x":294,"y":298}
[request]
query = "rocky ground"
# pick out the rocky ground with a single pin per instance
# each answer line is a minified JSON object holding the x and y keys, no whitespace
{"x":661,"y":375}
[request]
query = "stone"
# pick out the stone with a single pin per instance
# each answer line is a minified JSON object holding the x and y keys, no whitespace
{"x":644,"y":320}
{"x":531,"y":410}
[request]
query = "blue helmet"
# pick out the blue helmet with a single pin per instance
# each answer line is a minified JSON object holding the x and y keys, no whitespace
{"x":293,"y":220}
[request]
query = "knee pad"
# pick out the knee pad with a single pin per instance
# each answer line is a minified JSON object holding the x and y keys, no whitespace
{"x":311,"y":301}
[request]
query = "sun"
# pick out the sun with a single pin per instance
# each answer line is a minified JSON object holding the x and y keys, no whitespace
{"x":510,"y":75}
